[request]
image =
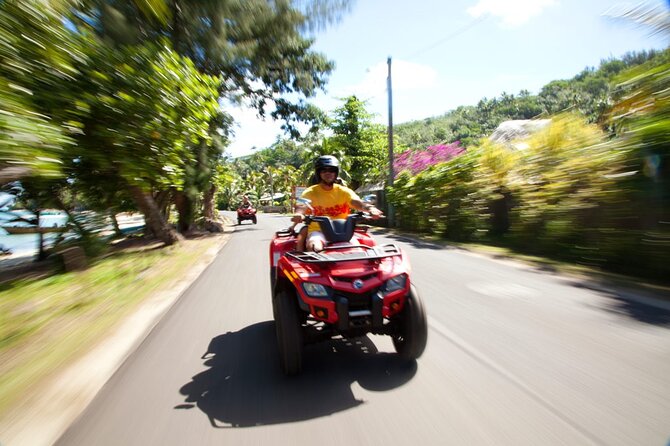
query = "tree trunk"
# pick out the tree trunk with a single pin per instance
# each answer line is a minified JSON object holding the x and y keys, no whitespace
{"x":115,"y":223}
{"x":213,"y":222}
{"x":41,"y":255}
{"x":70,"y":217}
{"x":176,"y":26}
{"x":499,"y":209}
{"x":184,"y":207}
{"x":163,"y":202}
{"x":153,"y":218}
{"x":208,"y":204}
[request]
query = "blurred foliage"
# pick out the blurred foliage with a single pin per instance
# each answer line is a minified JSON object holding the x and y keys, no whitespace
{"x":120,"y":98}
{"x":590,"y":188}
{"x":147,"y":108}
{"x":570,"y":194}
{"x":418,"y":160}
{"x":440,"y":199}
{"x":641,"y":117}
{"x":256,"y":46}
{"x":37,"y":56}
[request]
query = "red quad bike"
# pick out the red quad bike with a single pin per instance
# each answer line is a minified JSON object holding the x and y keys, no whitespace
{"x":351,"y":288}
{"x":248,"y":213}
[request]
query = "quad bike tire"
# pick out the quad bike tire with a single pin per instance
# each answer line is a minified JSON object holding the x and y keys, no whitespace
{"x":239,"y":221}
{"x":289,"y":332}
{"x":410,"y":341}
{"x":254,"y":219}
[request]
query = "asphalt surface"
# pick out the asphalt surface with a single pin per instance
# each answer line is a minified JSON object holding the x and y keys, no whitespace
{"x":515,"y":356}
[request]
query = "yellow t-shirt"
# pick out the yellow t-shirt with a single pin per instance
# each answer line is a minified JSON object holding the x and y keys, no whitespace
{"x":334,"y":203}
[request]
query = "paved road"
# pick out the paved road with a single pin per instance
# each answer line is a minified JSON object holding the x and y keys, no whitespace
{"x":515,"y":356}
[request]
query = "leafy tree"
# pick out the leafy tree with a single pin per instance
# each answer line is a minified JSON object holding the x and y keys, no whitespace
{"x":231,"y":191}
{"x":325,"y":146}
{"x":171,"y":106}
{"x":257,"y":47}
{"x":363,"y":143}
{"x":37,"y":56}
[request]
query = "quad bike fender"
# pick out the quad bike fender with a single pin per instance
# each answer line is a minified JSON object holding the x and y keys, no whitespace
{"x":281,"y":283}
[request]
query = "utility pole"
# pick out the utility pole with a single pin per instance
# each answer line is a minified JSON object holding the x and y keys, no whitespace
{"x":389,"y":182}
{"x":272,"y":186}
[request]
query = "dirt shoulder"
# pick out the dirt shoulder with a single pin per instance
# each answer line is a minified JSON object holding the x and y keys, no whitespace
{"x":58,"y":369}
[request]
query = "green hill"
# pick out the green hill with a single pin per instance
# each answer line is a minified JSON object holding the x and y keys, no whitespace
{"x":589,"y":92}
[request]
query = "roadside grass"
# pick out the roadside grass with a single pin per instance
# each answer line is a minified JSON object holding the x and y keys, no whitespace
{"x":47,"y":322}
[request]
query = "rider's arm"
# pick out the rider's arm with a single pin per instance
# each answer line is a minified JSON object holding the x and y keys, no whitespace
{"x":299,"y":215}
{"x":366,"y":207}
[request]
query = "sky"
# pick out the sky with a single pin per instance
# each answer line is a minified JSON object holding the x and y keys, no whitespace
{"x":448,"y":53}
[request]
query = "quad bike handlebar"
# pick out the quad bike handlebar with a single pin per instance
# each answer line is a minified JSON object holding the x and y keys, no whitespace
{"x":340,"y":230}
{"x":336,"y":231}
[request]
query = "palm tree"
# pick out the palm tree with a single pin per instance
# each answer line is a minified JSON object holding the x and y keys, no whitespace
{"x":655,"y":17}
{"x":327,"y":146}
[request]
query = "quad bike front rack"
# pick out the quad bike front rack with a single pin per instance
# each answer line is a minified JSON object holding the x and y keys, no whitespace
{"x":331,"y":253}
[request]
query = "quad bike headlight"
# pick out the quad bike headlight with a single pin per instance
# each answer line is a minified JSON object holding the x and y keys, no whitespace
{"x":394,"y":284}
{"x":315,"y":289}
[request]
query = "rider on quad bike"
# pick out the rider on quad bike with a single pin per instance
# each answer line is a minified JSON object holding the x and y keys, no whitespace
{"x":346,"y":285}
{"x":328,"y":198}
{"x":246,"y":211}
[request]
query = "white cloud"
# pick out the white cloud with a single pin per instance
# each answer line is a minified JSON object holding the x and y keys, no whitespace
{"x":404,"y":75}
{"x":512,"y":12}
{"x":251,"y":131}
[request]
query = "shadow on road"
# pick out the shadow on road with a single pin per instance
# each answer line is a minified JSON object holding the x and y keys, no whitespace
{"x":619,"y":304}
{"x":415,"y":242}
{"x":244,"y":227}
{"x":639,"y":311}
{"x":244,"y":386}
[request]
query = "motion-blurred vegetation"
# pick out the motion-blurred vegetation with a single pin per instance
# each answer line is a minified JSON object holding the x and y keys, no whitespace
{"x":592,"y":194}
{"x":110,"y":105}
{"x":116,"y":106}
{"x":47,"y":321}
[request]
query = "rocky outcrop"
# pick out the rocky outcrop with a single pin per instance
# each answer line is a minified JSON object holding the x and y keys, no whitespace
{"x":512,"y":133}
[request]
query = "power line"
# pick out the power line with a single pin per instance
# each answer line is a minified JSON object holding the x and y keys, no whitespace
{"x":456,"y":33}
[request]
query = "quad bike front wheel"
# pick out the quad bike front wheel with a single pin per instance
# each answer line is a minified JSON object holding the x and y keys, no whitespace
{"x":410,"y":339}
{"x":289,"y":332}
{"x":254,"y":219}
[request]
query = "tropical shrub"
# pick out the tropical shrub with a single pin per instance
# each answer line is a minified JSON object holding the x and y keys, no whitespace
{"x":416,"y":161}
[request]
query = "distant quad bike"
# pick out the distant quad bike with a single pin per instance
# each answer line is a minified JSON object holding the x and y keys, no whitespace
{"x":246,"y":213}
{"x":351,"y":288}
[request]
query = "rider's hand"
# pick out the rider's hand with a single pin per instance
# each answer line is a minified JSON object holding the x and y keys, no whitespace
{"x":297,"y":218}
{"x":374,"y":212}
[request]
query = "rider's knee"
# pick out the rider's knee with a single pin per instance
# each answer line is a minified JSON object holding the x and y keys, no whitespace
{"x":315,"y":245}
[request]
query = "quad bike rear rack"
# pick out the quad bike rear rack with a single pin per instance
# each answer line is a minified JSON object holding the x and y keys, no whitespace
{"x":331,"y":253}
